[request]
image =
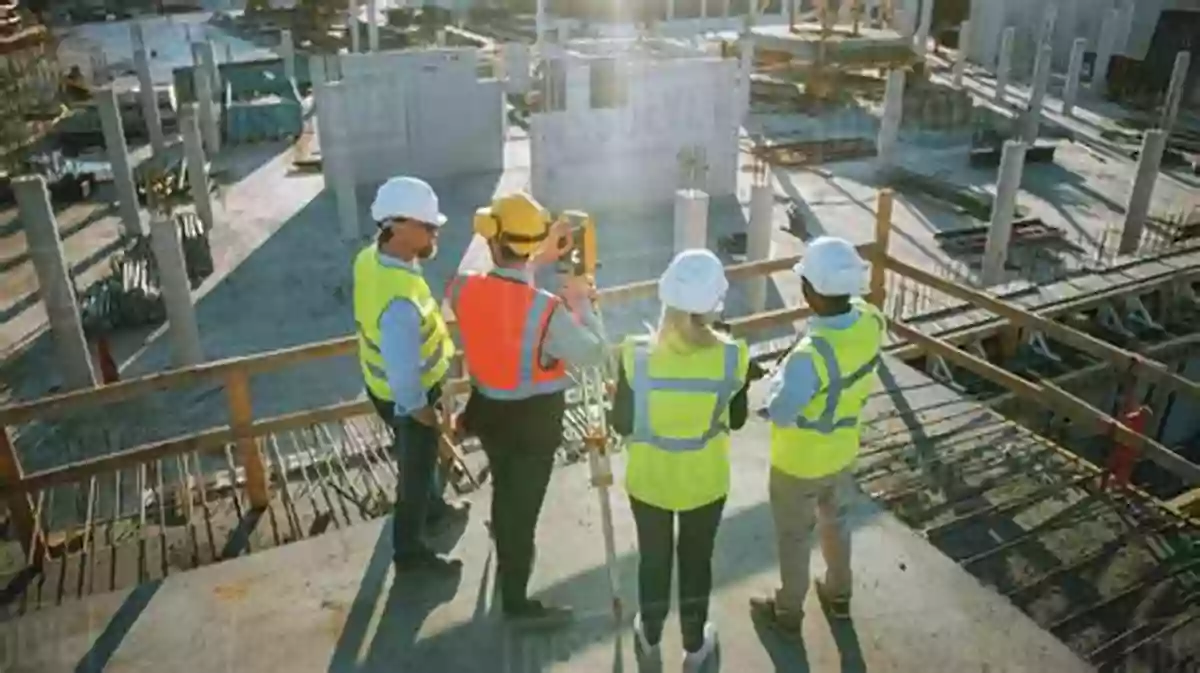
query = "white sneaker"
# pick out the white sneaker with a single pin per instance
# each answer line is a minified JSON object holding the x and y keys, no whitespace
{"x":649,"y":656}
{"x":693,"y":662}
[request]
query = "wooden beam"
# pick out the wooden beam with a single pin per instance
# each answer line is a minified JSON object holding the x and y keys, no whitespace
{"x":19,"y":510}
{"x":241,"y":420}
{"x":883,"y":229}
{"x":1057,"y":399}
{"x":1123,"y":359}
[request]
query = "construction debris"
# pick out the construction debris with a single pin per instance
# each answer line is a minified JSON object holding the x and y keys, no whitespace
{"x":963,"y":199}
{"x":811,"y":152}
{"x":1027,"y":232}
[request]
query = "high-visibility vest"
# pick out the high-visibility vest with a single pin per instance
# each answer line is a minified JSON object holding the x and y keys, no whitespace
{"x":501,"y":324}
{"x":825,"y":439}
{"x":679,"y":449}
{"x":376,"y":286}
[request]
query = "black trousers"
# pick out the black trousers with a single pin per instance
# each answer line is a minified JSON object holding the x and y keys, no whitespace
{"x":520,"y":439}
{"x":656,"y":547}
{"x":418,"y":489}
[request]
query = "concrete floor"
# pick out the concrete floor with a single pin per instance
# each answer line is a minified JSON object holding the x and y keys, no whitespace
{"x":332,"y":603}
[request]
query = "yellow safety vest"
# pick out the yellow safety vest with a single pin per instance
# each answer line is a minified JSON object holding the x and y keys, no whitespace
{"x":825,"y":439}
{"x":375,"y":287}
{"x":679,"y":448}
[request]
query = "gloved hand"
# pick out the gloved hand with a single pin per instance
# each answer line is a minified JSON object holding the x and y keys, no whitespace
{"x":578,"y":291}
{"x":558,"y":241}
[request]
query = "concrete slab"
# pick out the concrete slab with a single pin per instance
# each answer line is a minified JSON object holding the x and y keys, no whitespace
{"x":332,"y":603}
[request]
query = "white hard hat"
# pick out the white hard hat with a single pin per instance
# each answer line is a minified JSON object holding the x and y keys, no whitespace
{"x":833,"y":268}
{"x":694,"y":282}
{"x":407,"y":198}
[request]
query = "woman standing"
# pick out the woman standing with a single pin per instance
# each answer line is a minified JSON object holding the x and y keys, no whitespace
{"x":680,"y":391}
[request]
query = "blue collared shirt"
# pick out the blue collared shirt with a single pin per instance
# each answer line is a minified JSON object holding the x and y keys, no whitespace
{"x":793,"y":386}
{"x":400,"y":346}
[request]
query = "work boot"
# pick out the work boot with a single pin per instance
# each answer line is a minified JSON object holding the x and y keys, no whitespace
{"x":764,"y":611}
{"x":427,"y":560}
{"x":447,"y":513}
{"x":649,"y":656}
{"x":837,"y":607}
{"x":693,"y":662}
{"x":534,"y":615}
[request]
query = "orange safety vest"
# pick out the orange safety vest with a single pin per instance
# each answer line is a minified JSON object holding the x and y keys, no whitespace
{"x":502,"y":323}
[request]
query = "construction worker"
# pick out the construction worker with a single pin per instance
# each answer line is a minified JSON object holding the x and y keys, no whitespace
{"x":405,"y":351}
{"x":518,"y":342}
{"x":814,"y":402}
{"x":679,"y":392}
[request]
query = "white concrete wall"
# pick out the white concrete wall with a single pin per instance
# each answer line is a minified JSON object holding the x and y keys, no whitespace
{"x":1076,"y":18}
{"x":422,"y":113}
{"x":585,"y":158}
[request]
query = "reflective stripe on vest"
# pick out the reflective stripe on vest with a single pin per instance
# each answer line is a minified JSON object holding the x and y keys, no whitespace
{"x":837,"y":384}
{"x":532,"y":378}
{"x":376,"y":286}
{"x":643,"y":384}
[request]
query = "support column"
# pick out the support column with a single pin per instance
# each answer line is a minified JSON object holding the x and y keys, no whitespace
{"x":197,"y":169}
{"x":745,"y":68}
{"x":542,"y":26}
{"x":671,"y":10}
{"x":1012,"y":164}
{"x":146,"y":91}
{"x":889,"y":125}
{"x":1138,"y":208}
{"x":924,"y":28}
{"x":209,"y":124}
{"x":287,"y":51}
{"x":316,"y":70}
{"x":355,"y":47}
{"x":182,"y":329}
{"x":54,"y":281}
{"x":960,"y":62}
{"x":373,"y":25}
{"x":1071,"y":91}
{"x":118,"y":156}
{"x":1004,"y":65}
{"x":1041,"y":79}
{"x":1183,"y":60}
{"x":691,"y":219}
{"x":758,"y":241}
{"x":339,"y":169}
{"x":1104,"y":52}
{"x":206,"y":59}
{"x":1049,"y":22}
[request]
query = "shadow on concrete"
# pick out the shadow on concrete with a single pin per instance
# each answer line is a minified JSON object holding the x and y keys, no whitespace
{"x":109,"y":640}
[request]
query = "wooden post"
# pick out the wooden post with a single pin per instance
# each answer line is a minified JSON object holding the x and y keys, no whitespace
{"x":241,"y":416}
{"x":19,"y":511}
{"x":883,"y":230}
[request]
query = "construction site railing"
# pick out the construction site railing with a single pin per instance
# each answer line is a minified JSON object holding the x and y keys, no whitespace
{"x":233,"y":375}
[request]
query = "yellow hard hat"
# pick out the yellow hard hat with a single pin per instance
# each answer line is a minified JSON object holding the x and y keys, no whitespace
{"x":516,"y":221}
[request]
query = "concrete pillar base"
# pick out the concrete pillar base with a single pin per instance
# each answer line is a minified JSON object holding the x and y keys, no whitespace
{"x":758,"y":241}
{"x":1012,"y":164}
{"x":118,"y":156}
{"x":1138,"y":207}
{"x":691,"y":219}
{"x":182,"y":328}
{"x":1074,"y":68}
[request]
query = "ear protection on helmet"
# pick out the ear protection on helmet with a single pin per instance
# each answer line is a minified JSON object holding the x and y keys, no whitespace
{"x":486,"y":224}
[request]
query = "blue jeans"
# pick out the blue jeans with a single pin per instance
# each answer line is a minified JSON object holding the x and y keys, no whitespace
{"x":419,"y":489}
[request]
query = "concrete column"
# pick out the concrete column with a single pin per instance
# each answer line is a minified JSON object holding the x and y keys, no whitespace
{"x":745,"y":68}
{"x":1004,"y":66}
{"x":889,"y":125}
{"x":1012,"y":164}
{"x":339,"y":170}
{"x":1045,"y":33}
{"x":373,"y":25}
{"x":1041,"y":80}
{"x":316,"y":70}
{"x":355,"y":47}
{"x":1071,"y":91}
{"x":703,"y":9}
{"x":209,"y":125}
{"x":182,"y":329}
{"x":924,"y":28}
{"x":1183,"y":60}
{"x":516,"y":68}
{"x":1104,"y":51}
{"x":691,"y":219}
{"x":287,"y":51}
{"x":670,"y":10}
{"x":1138,"y":207}
{"x":758,"y":241}
{"x":54,"y":281}
{"x":542,"y":25}
{"x":118,"y":156}
{"x":146,"y":90}
{"x":197,"y":171}
{"x":903,"y":21}
{"x":960,"y":61}
{"x":206,"y":59}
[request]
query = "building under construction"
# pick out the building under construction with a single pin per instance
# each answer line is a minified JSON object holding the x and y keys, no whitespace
{"x":211,"y":486}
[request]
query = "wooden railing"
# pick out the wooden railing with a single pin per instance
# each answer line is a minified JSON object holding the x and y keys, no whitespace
{"x":233,"y":375}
